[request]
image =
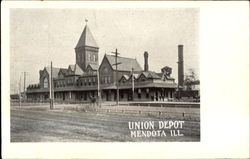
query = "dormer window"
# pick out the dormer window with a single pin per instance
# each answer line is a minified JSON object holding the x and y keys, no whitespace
{"x":45,"y":83}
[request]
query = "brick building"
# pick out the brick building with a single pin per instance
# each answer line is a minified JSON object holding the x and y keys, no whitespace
{"x":79,"y":82}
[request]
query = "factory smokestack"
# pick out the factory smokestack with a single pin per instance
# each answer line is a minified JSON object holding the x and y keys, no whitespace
{"x":180,"y":66}
{"x":145,"y":61}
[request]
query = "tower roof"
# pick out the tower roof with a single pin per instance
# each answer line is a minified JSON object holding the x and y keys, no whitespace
{"x":86,"y":39}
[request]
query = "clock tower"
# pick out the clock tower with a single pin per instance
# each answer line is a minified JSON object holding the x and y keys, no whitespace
{"x":86,"y":49}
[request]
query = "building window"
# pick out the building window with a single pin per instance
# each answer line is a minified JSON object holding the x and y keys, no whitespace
{"x":109,"y":79}
{"x":85,"y":95}
{"x":139,"y":95}
{"x":122,"y":96}
{"x":93,"y":81}
{"x":139,"y":91}
{"x":45,"y":83}
{"x":94,"y":58}
{"x":106,"y":80}
{"x":88,"y":57}
{"x":147,"y":93}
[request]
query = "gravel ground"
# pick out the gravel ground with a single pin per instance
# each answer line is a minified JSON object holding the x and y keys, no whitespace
{"x":43,"y":125}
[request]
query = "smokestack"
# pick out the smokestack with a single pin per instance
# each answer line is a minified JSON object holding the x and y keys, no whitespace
{"x":180,"y":66}
{"x":145,"y":61}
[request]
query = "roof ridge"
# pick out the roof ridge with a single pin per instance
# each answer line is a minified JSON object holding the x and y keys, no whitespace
{"x":120,"y":57}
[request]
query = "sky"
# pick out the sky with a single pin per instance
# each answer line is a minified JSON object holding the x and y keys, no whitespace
{"x":38,"y":36}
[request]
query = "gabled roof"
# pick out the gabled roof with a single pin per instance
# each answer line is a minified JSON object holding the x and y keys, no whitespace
{"x":160,"y":74}
{"x":63,"y":70}
{"x":126,"y":77}
{"x":93,"y":67}
{"x":126,"y":63}
{"x":150,"y":74}
{"x":76,"y":70}
{"x":136,"y":75}
{"x":86,"y":39}
{"x":55,"y":71}
{"x":72,"y":67}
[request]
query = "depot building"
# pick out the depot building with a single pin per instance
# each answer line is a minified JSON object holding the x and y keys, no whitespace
{"x":79,"y":82}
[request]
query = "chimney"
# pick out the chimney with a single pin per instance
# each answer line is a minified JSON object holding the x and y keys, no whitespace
{"x":180,"y":66}
{"x":145,"y":61}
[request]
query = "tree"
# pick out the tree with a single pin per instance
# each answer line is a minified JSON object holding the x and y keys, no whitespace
{"x":190,"y":79}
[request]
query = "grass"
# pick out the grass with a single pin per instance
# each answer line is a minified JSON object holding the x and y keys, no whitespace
{"x":42,"y":125}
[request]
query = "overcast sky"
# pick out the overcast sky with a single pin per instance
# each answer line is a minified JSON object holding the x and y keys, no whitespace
{"x":38,"y":36}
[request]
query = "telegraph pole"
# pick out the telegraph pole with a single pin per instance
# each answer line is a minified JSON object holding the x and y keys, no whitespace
{"x":98,"y":88}
{"x":133,"y":85}
{"x":116,"y":79}
{"x":20,"y":90}
{"x":51,"y":91}
{"x":24,"y":84}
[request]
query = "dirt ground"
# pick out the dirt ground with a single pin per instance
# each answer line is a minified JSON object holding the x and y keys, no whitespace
{"x":44,"y":125}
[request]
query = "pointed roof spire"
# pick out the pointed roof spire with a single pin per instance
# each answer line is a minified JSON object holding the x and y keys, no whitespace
{"x":86,"y":38}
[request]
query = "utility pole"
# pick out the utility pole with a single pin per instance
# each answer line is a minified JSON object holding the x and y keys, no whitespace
{"x":133,"y":85}
{"x":116,"y":79}
{"x":51,"y":91}
{"x":20,"y":90}
{"x":24,"y":84}
{"x":98,"y":88}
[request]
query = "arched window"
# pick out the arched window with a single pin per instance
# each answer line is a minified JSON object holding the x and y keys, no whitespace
{"x":45,"y":83}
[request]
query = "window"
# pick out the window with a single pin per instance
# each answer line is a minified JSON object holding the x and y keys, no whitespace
{"x":45,"y":83}
{"x":89,"y":81}
{"x":139,"y":91}
{"x":122,"y":96}
{"x":147,"y":93}
{"x":94,"y":58}
{"x":85,"y":96}
{"x":88,"y":57}
{"x":139,"y":95}
{"x":109,"y":79}
{"x":106,"y":80}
